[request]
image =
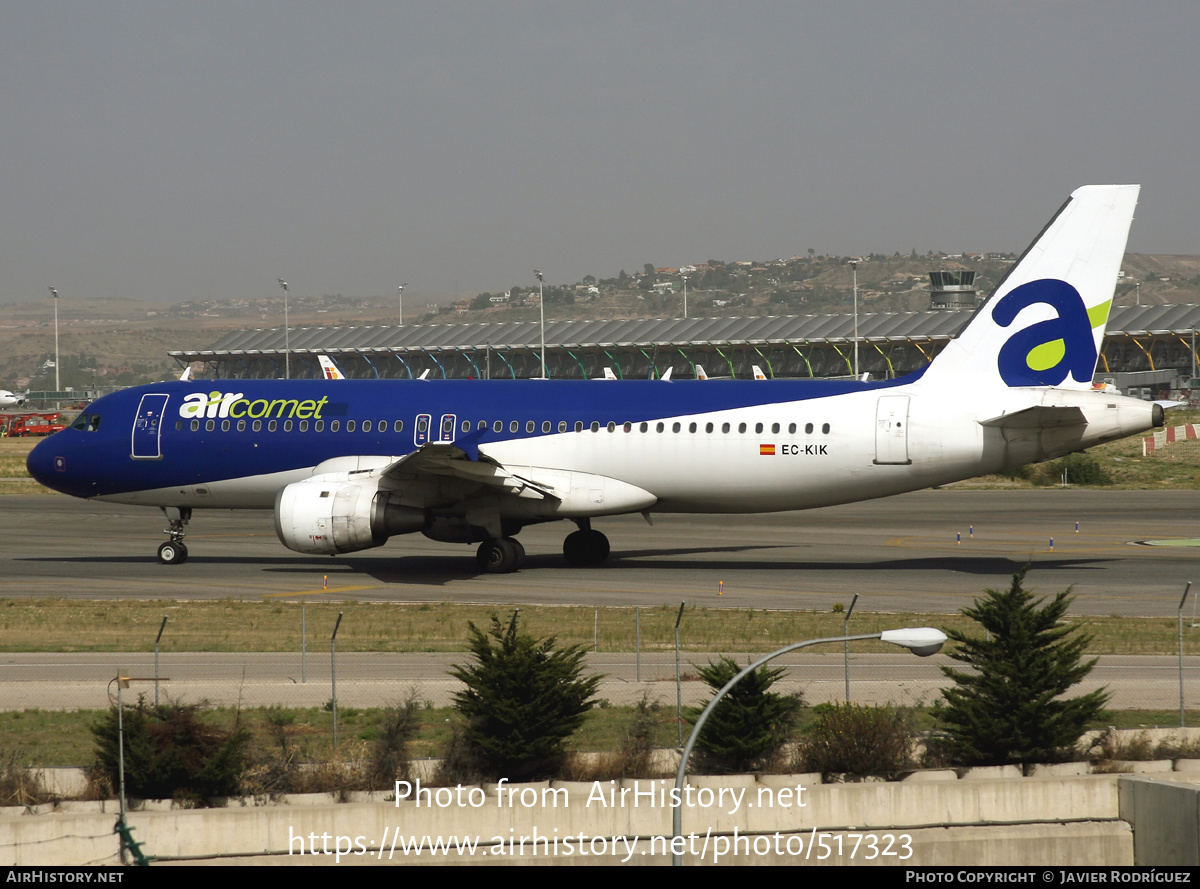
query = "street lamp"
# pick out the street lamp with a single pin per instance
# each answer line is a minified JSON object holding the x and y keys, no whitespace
{"x":854,"y":266}
{"x":542,"y":313}
{"x":921,"y":641}
{"x":54,"y":294}
{"x":287,"y":333}
{"x":400,"y":298}
{"x":685,"y":277}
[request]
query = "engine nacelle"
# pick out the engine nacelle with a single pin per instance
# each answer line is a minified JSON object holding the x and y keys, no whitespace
{"x":324,"y":516}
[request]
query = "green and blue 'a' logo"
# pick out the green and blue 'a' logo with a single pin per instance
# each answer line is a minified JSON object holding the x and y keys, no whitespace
{"x":1046,"y":353}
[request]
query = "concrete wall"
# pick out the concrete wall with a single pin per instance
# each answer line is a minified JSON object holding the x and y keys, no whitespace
{"x":782,"y":819}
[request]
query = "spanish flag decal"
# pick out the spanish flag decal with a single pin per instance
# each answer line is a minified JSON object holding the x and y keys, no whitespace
{"x":766,"y":450}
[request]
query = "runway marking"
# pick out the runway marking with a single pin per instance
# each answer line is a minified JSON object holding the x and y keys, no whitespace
{"x":1180,"y":541}
{"x":332,"y":589}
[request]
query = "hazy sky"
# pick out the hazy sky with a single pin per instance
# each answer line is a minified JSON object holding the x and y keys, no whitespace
{"x":187,"y":150}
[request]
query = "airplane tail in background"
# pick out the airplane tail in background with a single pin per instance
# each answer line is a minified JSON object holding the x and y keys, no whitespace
{"x":329,"y":369}
{"x":1044,"y":325}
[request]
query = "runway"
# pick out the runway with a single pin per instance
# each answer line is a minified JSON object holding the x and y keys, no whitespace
{"x":899,"y":554}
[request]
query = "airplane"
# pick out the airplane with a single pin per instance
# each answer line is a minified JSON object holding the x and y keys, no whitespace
{"x":346,"y":465}
{"x":10,"y":399}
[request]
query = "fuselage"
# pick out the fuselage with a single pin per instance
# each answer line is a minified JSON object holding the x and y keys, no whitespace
{"x":716,"y":446}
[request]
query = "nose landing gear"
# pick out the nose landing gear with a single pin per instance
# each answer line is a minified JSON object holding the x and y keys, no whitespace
{"x":173,"y":552}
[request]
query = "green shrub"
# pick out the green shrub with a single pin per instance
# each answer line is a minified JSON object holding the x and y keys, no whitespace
{"x":171,"y":753}
{"x":523,"y":699}
{"x":750,"y":724}
{"x":1010,"y":708}
{"x":1080,"y":469}
{"x":849,"y":738}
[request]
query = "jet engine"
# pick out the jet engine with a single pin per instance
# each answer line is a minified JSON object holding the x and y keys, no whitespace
{"x":324,"y":516}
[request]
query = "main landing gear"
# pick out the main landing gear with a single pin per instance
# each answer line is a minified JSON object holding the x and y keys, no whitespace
{"x":585,"y":547}
{"x":501,"y":555}
{"x":173,"y":552}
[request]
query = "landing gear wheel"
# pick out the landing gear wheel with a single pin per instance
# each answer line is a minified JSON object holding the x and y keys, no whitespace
{"x":586,"y":547}
{"x":172,"y":553}
{"x":500,"y":556}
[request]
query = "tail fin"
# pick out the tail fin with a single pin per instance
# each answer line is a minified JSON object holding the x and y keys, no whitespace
{"x":329,"y":368}
{"x":1044,"y":325}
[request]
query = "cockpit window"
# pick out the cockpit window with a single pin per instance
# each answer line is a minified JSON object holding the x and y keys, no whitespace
{"x":80,"y":422}
{"x":88,"y":422}
{"x":93,"y":422}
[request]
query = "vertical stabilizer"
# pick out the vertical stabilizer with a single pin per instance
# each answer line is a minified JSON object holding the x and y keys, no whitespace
{"x":1044,"y":325}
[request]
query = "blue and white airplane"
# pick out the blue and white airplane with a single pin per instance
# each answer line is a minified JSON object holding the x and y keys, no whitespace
{"x":347,"y":464}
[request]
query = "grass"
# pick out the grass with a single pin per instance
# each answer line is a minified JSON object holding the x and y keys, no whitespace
{"x":61,"y":625}
{"x":47,"y":738}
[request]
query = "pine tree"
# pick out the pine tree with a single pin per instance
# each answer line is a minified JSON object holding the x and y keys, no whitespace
{"x":1010,"y":708}
{"x":523,"y":699}
{"x":751,"y":722}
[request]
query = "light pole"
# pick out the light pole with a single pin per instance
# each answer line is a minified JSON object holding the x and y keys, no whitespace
{"x":542,"y":312}
{"x":684,"y":296}
{"x":854,"y":266}
{"x":400,"y":298}
{"x":921,"y":641}
{"x":54,"y":294}
{"x":287,"y":334}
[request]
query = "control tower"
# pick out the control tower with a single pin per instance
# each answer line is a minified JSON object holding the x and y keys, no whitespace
{"x":952,"y":289}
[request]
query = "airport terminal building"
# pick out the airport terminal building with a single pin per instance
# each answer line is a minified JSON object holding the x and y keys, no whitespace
{"x":1148,"y":350}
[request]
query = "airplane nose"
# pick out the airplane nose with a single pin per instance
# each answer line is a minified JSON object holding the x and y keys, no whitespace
{"x":49,"y":467}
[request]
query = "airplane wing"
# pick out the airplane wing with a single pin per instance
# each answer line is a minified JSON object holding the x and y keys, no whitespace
{"x":564,"y":493}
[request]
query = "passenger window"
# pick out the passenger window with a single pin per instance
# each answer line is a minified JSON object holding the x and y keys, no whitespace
{"x":547,"y":426}
{"x":178,"y":425}
{"x":825,"y":428}
{"x":808,"y":427}
{"x":241,"y":426}
{"x":562,"y":425}
{"x":724,"y":427}
{"x":334,"y":425}
{"x":271,"y":426}
{"x":287,"y":425}
{"x":774,"y":427}
{"x":758,"y":427}
{"x":350,"y":426}
{"x":660,"y":427}
{"x":675,"y":427}
{"x":691,"y":427}
{"x":210,"y":425}
{"x":628,"y":427}
{"x":224,"y":425}
{"x":319,"y":426}
{"x":466,"y":425}
{"x":530,"y":426}
{"x":482,"y":424}
{"x":708,"y":427}
{"x":741,"y":427}
{"x":514,"y":426}
{"x":612,"y":427}
{"x":791,"y":427}
{"x":595,"y":426}
{"x":644,"y":427}
{"x":304,"y":425}
{"x":196,"y":425}
{"x":498,"y":426}
{"x":579,"y":425}
{"x":398,"y":426}
{"x":257,"y":425}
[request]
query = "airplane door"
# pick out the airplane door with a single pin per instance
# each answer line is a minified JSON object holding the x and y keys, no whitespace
{"x":147,"y":428}
{"x":891,"y":430}
{"x":421,"y":429}
{"x":448,"y":421}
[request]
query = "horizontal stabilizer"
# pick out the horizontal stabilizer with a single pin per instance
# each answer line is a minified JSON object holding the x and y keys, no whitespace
{"x":1041,"y":416}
